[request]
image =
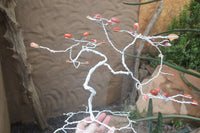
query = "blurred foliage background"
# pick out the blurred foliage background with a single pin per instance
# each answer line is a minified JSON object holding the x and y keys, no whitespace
{"x":185,"y":51}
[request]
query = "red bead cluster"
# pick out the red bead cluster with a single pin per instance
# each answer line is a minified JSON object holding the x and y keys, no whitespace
{"x":157,"y":90}
{"x":67,"y":35}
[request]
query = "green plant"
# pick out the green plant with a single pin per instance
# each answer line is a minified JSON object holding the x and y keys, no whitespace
{"x":185,"y":50}
{"x":188,"y":83}
{"x":158,"y":129}
{"x":150,"y":113}
{"x":135,"y":113}
{"x":177,"y":124}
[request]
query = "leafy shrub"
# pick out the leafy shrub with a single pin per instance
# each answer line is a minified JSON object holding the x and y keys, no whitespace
{"x":185,"y":51}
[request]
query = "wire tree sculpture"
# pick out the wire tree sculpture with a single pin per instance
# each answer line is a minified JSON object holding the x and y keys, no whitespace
{"x":89,"y":46}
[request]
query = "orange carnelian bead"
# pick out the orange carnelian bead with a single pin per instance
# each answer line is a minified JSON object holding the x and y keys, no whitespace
{"x":97,"y":16}
{"x":35,"y":45}
{"x":104,"y":41}
{"x":115,"y":20}
{"x":67,"y":60}
{"x":165,"y":94}
{"x":194,"y":102}
{"x":167,"y":44}
{"x":158,"y":89}
{"x":68,"y":35}
{"x":161,"y":55}
{"x":85,"y":34}
{"x":146,"y":97}
{"x":87,"y":62}
{"x":52,"y":51}
{"x":116,"y":29}
{"x":187,"y":95}
{"x":94,"y":40}
{"x":88,"y":17}
{"x":109,"y":22}
{"x":154,"y":92}
{"x":136,"y":26}
{"x":171,"y":37}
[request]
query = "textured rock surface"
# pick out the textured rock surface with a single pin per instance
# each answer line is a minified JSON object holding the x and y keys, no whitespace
{"x":59,"y":84}
{"x":170,"y":9}
{"x":173,"y":85}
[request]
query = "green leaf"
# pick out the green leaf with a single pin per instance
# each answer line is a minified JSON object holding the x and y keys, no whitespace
{"x":188,"y":83}
{"x":185,"y":50}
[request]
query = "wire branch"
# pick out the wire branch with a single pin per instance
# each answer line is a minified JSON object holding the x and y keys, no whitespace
{"x":139,"y":50}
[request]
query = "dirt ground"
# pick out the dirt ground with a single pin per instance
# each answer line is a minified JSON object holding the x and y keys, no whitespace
{"x":55,"y":123}
{"x":141,"y":127}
